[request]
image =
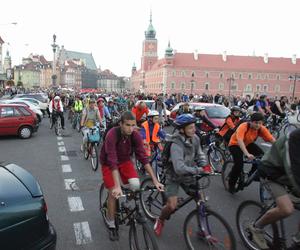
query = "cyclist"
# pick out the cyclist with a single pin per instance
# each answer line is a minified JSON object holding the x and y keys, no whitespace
{"x":151,"y":131}
{"x":201,"y":119}
{"x":184,"y":109}
{"x":140,"y":110}
{"x":231,"y":122}
{"x":280,"y":167}
{"x":103,"y":110}
{"x":278,"y":108}
{"x":56,"y":106}
{"x":115,"y":158}
{"x":262,"y":105}
{"x":242,"y":142}
{"x":90,"y":116}
{"x":186,"y":159}
{"x":161,"y":107}
{"x":112,"y":108}
{"x":77,"y":107}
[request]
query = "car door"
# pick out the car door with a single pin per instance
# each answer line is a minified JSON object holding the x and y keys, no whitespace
{"x":10,"y":120}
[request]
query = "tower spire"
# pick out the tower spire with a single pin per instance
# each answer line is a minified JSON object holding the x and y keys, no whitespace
{"x":150,"y":16}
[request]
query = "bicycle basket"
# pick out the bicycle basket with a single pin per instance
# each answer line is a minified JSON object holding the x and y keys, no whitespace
{"x":93,"y":135}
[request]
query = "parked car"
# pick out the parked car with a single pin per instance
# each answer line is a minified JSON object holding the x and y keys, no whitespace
{"x":17,"y":119}
{"x":35,"y":108}
{"x":24,"y":223}
{"x":216,"y":113}
{"x":42,"y":105}
{"x":149,"y":104}
{"x":39,"y":96}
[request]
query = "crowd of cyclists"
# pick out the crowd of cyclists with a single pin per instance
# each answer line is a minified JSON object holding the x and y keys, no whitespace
{"x":131,"y":128}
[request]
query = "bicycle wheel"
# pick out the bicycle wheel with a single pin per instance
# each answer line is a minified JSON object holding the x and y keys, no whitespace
{"x":298,"y":116}
{"x":151,"y":199}
{"x":227,"y":167}
{"x":94,"y":157}
{"x":248,"y":213}
{"x":217,"y":234}
{"x":215,"y":159}
{"x":103,"y":196}
{"x":288,"y":128}
{"x":141,"y":237}
{"x":86,"y":151}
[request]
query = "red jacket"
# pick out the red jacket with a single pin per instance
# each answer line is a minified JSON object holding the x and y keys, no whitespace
{"x":139,"y":112}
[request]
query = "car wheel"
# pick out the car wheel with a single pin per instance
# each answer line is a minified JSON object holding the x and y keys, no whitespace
{"x":25,"y":132}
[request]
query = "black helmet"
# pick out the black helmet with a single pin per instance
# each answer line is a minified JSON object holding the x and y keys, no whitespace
{"x":235,"y":108}
{"x":293,"y":147}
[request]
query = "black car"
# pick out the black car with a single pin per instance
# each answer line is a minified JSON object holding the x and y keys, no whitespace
{"x":24,"y":222}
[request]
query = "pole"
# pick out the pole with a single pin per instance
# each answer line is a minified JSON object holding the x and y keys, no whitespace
{"x":295,"y":79}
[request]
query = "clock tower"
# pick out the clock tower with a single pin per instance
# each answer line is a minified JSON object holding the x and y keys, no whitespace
{"x":149,"y":54}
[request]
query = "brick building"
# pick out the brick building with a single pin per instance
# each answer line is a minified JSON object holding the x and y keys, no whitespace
{"x":207,"y":73}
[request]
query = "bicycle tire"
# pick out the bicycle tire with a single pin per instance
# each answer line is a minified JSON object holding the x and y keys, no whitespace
{"x":86,"y":152}
{"x":153,"y":201}
{"x":226,"y":233}
{"x":94,"y":157}
{"x":246,"y":235}
{"x":288,"y":128}
{"x":213,"y":158}
{"x":146,"y":235}
{"x":226,"y":169}
{"x":103,"y":196}
{"x":298,"y":116}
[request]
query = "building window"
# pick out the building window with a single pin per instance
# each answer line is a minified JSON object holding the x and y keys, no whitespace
{"x":258,"y":76}
{"x":183,"y":86}
{"x":291,"y":88}
{"x":173,"y":85}
{"x":248,"y":88}
{"x":193,"y":74}
{"x":183,"y":73}
{"x":249,"y":76}
{"x":258,"y":87}
{"x":278,"y":77}
{"x":234,"y":86}
{"x":241,"y":76}
{"x":221,"y":75}
{"x":207,"y":75}
{"x":277,"y":88}
{"x":221,"y":86}
{"x":265,"y":88}
{"x":206,"y":86}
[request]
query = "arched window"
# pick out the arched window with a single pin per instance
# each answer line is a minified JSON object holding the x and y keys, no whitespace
{"x":206,"y":86}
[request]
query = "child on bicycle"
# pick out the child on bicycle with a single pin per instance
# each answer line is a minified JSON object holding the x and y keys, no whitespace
{"x":242,"y":143}
{"x":151,"y":131}
{"x":281,"y":168}
{"x":186,"y":159}
{"x":115,"y":157}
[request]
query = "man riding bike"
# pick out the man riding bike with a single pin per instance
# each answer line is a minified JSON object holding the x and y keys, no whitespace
{"x":278,"y":108}
{"x":242,"y":143}
{"x":77,"y":107}
{"x":262,"y":106}
{"x":56,"y":108}
{"x":186,"y":159}
{"x":281,"y":168}
{"x":140,"y":110}
{"x":151,"y":131}
{"x":90,"y":116}
{"x":161,"y":108}
{"x":115,"y":157}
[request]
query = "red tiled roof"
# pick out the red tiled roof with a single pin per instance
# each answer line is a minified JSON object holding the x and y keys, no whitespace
{"x":248,"y":63}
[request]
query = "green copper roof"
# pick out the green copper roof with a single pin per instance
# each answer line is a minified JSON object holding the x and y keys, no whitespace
{"x":169,"y":50}
{"x":87,"y":58}
{"x":150,"y":32}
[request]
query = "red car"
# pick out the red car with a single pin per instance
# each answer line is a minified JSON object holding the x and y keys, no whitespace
{"x":16,"y":119}
{"x":216,"y":113}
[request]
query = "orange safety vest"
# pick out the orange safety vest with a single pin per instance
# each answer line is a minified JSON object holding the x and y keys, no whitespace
{"x":155,"y":138}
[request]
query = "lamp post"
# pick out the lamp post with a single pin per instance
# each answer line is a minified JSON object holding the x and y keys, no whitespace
{"x":230,"y":80}
{"x":54,"y":76}
{"x":295,"y":78}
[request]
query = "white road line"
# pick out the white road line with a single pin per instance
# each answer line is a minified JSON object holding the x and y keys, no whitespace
{"x":66,"y":168}
{"x":60,"y":143}
{"x":82,"y":233}
{"x":64,"y":158}
{"x":75,"y":204}
{"x":62,"y":149}
{"x":70,"y":184}
{"x":266,"y":144}
{"x":59,"y":138}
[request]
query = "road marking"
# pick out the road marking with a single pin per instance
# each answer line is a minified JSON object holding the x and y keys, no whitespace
{"x":59,"y":138}
{"x":60,"y":143}
{"x":66,"y":168}
{"x":62,"y":149}
{"x":70,"y":184}
{"x":64,"y":158}
{"x":266,"y":144}
{"x":75,"y":204}
{"x":82,"y":233}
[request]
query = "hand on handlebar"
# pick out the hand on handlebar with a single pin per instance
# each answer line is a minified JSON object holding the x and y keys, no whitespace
{"x":117,"y":192}
{"x":250,"y":156}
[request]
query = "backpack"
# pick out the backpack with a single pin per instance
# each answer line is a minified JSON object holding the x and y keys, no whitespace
{"x":165,"y":155}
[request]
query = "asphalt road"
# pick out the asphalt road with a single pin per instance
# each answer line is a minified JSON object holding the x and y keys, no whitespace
{"x":55,"y":162}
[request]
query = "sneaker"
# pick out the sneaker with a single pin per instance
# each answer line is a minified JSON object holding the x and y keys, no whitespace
{"x":113,"y":234}
{"x":158,"y":226}
{"x":258,"y":236}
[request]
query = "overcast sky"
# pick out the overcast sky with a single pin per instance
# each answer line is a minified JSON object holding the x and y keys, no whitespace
{"x":113,"y":30}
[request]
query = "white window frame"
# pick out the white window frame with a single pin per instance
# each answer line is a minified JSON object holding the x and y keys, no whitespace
{"x":267,"y":88}
{"x":221,"y":85}
{"x":206,"y":84}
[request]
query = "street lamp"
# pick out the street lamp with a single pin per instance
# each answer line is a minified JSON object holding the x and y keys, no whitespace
{"x":54,"y":76}
{"x":295,"y":78}
{"x":230,"y":80}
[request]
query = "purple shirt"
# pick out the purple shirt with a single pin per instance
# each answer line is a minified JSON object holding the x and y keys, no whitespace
{"x":116,"y":151}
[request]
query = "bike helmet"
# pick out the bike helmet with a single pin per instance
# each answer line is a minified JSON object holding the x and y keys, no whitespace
{"x":153,"y":113}
{"x":199,"y":108}
{"x":184,"y":120}
{"x":57,"y":98}
{"x":235,"y":108}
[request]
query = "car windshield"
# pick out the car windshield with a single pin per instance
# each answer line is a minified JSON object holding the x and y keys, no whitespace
{"x":217,"y":111}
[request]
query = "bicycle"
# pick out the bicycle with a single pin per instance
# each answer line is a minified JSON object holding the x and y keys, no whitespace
{"x":140,"y":234}
{"x":203,"y":227}
{"x":284,"y":126}
{"x":76,"y":121}
{"x":90,"y":149}
{"x":275,"y":234}
{"x":246,"y":177}
{"x":57,"y":124}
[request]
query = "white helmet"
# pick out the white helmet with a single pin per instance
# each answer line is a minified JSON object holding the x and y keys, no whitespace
{"x":153,"y":113}
{"x":57,"y":98}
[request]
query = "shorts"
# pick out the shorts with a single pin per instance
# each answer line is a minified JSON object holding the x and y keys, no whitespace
{"x":275,"y":188}
{"x":172,"y":188}
{"x":126,"y":170}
